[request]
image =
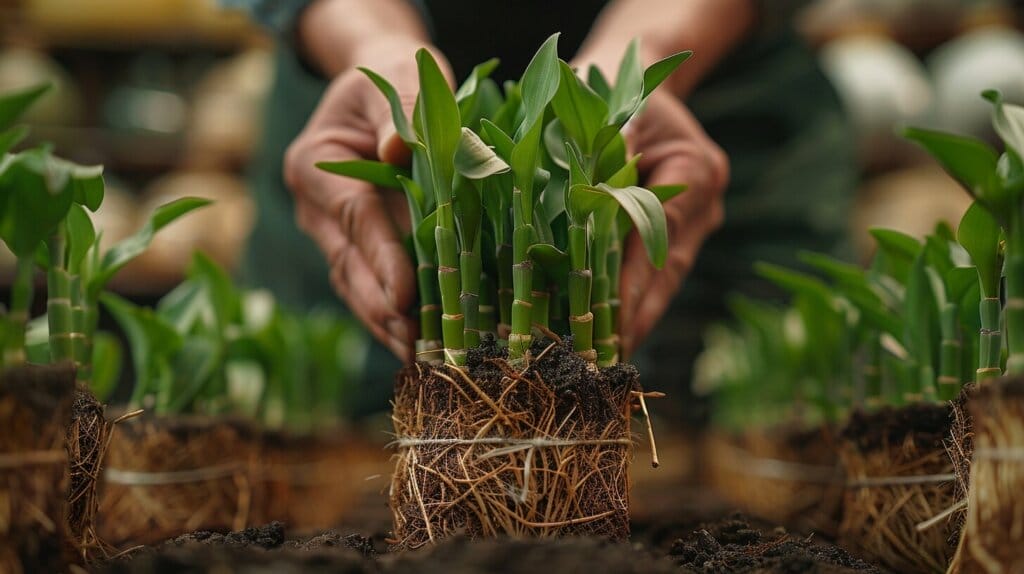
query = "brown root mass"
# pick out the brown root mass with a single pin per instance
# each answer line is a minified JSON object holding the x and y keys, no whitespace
{"x":87,"y":439}
{"x":790,"y":478}
{"x":313,"y":482}
{"x":880,"y":515}
{"x":35,"y":405}
{"x":994,"y":530}
{"x":167,"y":476}
{"x":579,"y":485}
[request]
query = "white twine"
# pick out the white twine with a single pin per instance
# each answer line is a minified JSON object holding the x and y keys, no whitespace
{"x":745,"y":462}
{"x":32,"y":458}
{"x":512,"y":444}
{"x":1011,"y":454}
{"x":145,"y":478}
{"x":900,"y":480}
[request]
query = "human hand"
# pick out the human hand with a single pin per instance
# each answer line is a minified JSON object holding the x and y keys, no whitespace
{"x":355,"y":224}
{"x":676,"y":150}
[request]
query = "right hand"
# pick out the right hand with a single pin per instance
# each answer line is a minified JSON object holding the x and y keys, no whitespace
{"x":356,"y":225}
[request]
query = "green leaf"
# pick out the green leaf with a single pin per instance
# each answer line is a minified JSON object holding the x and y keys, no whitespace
{"x":539,"y":84}
{"x":899,"y":251}
{"x":424,"y":234}
{"x":86,"y":183}
{"x":969,"y":161}
{"x":402,"y":126}
{"x":627,"y":175}
{"x":13,"y":104}
{"x":35,"y":195}
{"x":468,"y":93}
{"x":922,"y":315}
{"x":184,"y":306}
{"x":193,"y":366}
{"x":612,"y":158}
{"x":794,"y":281}
{"x":476,"y":160}
{"x":1008,"y":120}
{"x":440,"y":120}
{"x":554,"y":261}
{"x":598,"y":83}
{"x":580,"y":110}
{"x":629,"y":86}
{"x":667,"y":192}
{"x":224,"y":301}
{"x":525,"y":161}
{"x":107,"y":357}
{"x":648,"y":218}
{"x":502,"y":142}
{"x":81,"y":236}
{"x":415,"y":198}
{"x":468,"y":213}
{"x":378,"y":173}
{"x":11,"y":138}
{"x":151,"y":342}
{"x":659,"y":71}
{"x":979,"y":235}
{"x":119,"y":255}
{"x":554,"y":143}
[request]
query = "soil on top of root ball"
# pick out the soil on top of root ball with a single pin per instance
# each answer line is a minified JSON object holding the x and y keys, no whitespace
{"x":576,"y":383}
{"x":927,"y":424}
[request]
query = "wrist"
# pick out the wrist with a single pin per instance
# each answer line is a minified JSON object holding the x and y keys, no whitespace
{"x":338,"y":35}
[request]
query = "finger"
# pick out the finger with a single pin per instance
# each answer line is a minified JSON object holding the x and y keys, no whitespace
{"x":390,"y":147}
{"x":352,"y":278}
{"x":358,"y":212}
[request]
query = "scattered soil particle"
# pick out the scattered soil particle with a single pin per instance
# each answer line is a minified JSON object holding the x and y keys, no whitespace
{"x":733,"y":545}
{"x":928,"y":424}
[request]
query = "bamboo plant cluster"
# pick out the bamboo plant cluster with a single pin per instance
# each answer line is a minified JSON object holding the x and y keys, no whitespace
{"x":520,"y":197}
{"x":45,"y":203}
{"x":210,"y":347}
{"x":923,"y":319}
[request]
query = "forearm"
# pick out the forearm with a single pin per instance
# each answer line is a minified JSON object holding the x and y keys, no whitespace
{"x":709,"y":27}
{"x":337,"y":35}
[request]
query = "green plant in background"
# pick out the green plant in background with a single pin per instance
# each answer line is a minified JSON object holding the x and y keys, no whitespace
{"x":44,"y":220}
{"x":996,"y":181}
{"x":520,"y":198}
{"x":922,"y":320}
{"x":209,"y":347}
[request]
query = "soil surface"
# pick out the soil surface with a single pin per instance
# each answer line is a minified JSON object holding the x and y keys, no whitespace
{"x":730,"y":544}
{"x":928,"y":424}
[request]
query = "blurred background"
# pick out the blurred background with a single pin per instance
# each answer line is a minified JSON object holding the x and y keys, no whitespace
{"x":168,"y":95}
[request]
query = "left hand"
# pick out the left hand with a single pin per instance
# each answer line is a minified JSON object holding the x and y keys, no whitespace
{"x":676,"y":150}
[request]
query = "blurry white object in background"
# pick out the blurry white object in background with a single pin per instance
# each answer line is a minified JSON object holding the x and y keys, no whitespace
{"x":882,"y":85}
{"x":219,"y":230}
{"x":912,"y":201}
{"x":983,"y":58}
{"x":227,"y":110}
{"x":24,"y":67}
{"x":880,"y":82}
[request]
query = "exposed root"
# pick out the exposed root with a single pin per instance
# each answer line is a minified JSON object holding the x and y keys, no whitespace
{"x":503,"y":450}
{"x":891,"y":490}
{"x":87,"y":440}
{"x":165,"y":477}
{"x":35,"y":406}
{"x":994,"y":531}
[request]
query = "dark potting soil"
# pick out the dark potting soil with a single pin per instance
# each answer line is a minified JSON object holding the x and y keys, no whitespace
{"x":731,"y":544}
{"x":927,"y":424}
{"x":42,"y":388}
{"x":577,"y":384}
{"x":184,"y":427}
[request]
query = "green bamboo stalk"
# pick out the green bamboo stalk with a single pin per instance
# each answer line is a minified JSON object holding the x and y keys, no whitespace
{"x":449,"y":281}
{"x":505,"y":290}
{"x":58,"y":306}
{"x":541,"y":301}
{"x":488,"y":311}
{"x":990,"y":341}
{"x":872,"y":371}
{"x":521,"y":337}
{"x":581,"y":319}
{"x":470,"y":267}
{"x":951,"y":353}
{"x":429,"y":344}
{"x":605,"y":340}
{"x":83,"y":373}
{"x":22,"y":291}
{"x":1015,"y":295}
{"x":614,"y":278}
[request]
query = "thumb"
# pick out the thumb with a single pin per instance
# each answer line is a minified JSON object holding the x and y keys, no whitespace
{"x":390,"y":146}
